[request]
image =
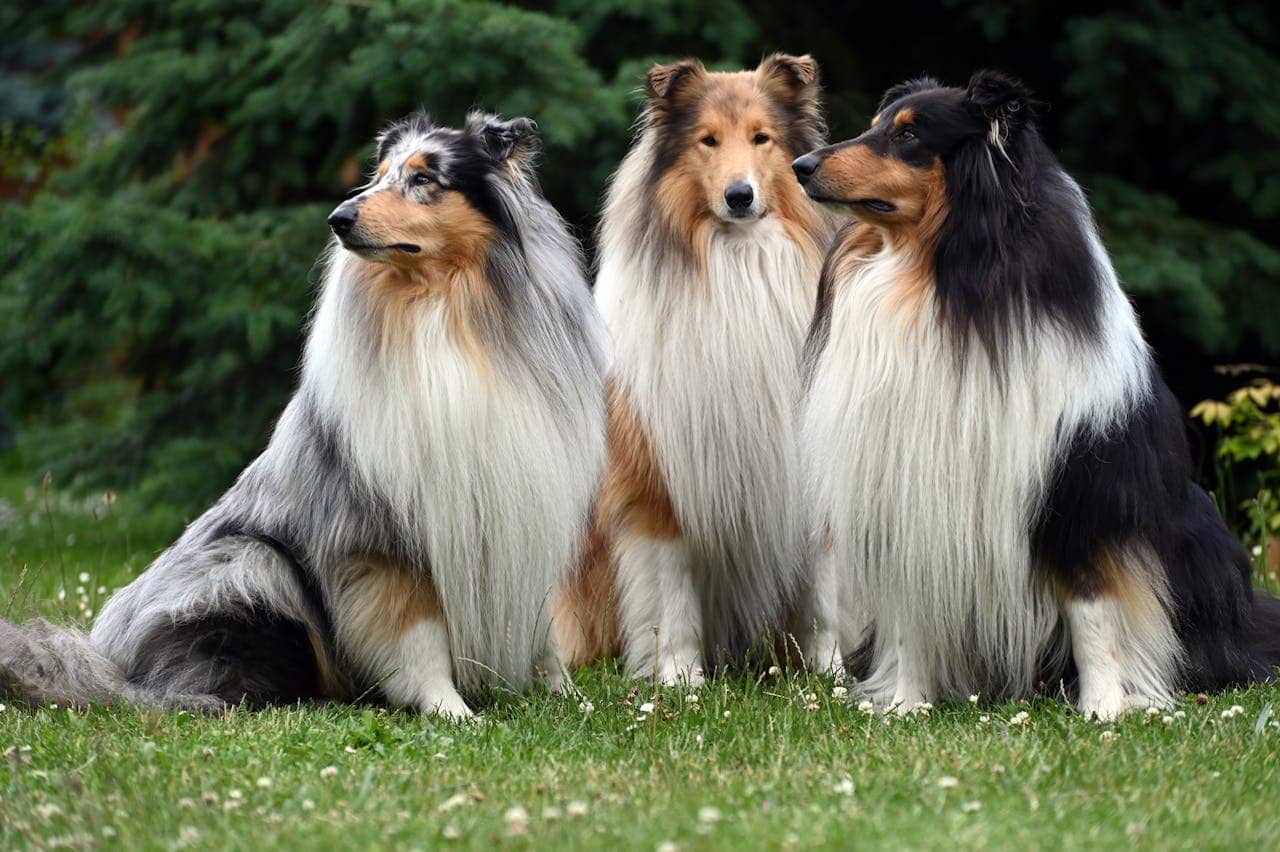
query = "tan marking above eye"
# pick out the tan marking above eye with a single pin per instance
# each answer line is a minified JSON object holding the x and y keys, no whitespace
{"x":904,"y":116}
{"x":417,"y":163}
{"x":875,"y":119}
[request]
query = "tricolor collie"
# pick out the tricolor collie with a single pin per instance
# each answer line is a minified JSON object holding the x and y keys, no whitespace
{"x":1000,"y":477}
{"x":425,"y":491}
{"x":709,"y":263}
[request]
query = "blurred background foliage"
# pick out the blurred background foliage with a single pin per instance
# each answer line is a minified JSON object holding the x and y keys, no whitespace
{"x":167,"y":167}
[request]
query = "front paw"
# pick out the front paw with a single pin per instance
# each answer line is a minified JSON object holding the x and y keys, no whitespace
{"x":824,"y":655}
{"x":1110,"y":705}
{"x":689,"y":674}
{"x":449,"y":706}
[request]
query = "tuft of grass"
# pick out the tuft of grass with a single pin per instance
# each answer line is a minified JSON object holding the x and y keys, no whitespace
{"x":779,"y":760}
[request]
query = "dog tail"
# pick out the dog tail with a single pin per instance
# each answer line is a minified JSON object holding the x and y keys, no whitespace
{"x":43,"y":664}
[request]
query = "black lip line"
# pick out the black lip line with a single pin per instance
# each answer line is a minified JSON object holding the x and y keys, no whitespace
{"x":875,"y":204}
{"x":404,"y":247}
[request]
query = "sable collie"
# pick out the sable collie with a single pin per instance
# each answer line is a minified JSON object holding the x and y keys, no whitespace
{"x":426,"y":490}
{"x":1000,"y":476}
{"x":709,"y":263}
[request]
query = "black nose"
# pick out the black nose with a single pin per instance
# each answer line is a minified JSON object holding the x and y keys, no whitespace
{"x":739,"y":195}
{"x":343,"y":220}
{"x":804,"y":167}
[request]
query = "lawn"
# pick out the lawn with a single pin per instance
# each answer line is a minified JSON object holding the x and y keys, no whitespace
{"x":785,"y":760}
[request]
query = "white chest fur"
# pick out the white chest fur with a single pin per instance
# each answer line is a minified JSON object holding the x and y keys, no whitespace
{"x":925,"y":469}
{"x":711,"y":368}
{"x":491,"y":482}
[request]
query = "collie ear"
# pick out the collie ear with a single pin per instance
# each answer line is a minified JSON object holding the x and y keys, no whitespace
{"x":664,"y":82}
{"x":1001,"y":99}
{"x":515,"y":139}
{"x":793,"y":73}
{"x":793,"y":82}
{"x":901,"y":90}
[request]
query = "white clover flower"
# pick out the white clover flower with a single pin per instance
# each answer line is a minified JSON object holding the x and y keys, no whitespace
{"x":1107,"y":736}
{"x":971,"y":807}
{"x":234,"y":794}
{"x":839,"y":692}
{"x":457,"y":800}
{"x":921,"y":708}
{"x":84,"y":576}
{"x":667,"y":846}
{"x":844,"y":787}
{"x":1179,"y":714}
{"x":551,"y":813}
{"x":1153,"y":711}
{"x":948,"y":782}
{"x":62,"y":594}
{"x":708,"y":815}
{"x":517,"y":820}
{"x":646,"y":707}
{"x":1020,"y":718}
{"x":264,"y":782}
{"x":984,"y":719}
{"x":576,"y":808}
{"x":328,"y":772}
{"x":451,"y":831}
{"x":1257,"y":550}
{"x":773,"y":671}
{"x":308,"y":805}
{"x":586,"y":707}
{"x":866,"y":707}
{"x":1168,"y":720}
{"x":80,"y":590}
{"x":727,"y":714}
{"x":692,"y":698}
{"x":102,"y":590}
{"x":973,"y":699}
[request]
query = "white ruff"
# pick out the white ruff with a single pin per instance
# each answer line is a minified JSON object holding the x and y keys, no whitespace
{"x":711,"y":369}
{"x":927,"y":473}
{"x":488,"y":478}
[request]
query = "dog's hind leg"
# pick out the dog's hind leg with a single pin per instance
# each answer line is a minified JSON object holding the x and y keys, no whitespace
{"x":1122,"y":640}
{"x":390,"y":625}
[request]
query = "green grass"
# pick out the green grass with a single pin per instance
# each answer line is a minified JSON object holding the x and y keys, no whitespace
{"x":751,"y":763}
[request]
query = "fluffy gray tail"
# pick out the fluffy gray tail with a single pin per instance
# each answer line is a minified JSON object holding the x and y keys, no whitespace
{"x":41,"y":664}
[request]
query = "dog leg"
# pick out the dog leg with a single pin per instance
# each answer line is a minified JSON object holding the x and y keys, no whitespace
{"x":1123,"y":643}
{"x":551,"y":666}
{"x":657,"y":591}
{"x":822,"y":627}
{"x":1095,"y":645}
{"x":390,"y":624}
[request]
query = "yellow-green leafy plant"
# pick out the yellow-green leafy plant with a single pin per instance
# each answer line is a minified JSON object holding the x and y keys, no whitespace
{"x":1249,"y":420}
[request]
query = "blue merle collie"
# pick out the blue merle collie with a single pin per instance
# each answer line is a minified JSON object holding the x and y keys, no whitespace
{"x":424,"y":493}
{"x":999,"y":477}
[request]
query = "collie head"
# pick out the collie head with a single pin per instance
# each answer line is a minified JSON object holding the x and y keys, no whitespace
{"x":714,"y":151}
{"x":959,"y":184}
{"x":436,"y":198}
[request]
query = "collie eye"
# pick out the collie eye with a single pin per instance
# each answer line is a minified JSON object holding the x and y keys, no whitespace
{"x":420,"y":179}
{"x":761,"y":138}
{"x":906,"y":136}
{"x":709,"y":141}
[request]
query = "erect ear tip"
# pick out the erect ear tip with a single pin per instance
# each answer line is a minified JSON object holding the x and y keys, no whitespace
{"x":804,"y":68}
{"x":661,"y":80}
{"x":992,"y":89}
